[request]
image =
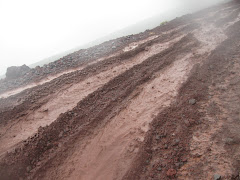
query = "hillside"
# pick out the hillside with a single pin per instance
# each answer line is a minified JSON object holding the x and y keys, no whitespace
{"x":161,"y":104}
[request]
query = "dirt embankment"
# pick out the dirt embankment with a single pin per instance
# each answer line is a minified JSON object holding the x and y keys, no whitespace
{"x":165,"y":106}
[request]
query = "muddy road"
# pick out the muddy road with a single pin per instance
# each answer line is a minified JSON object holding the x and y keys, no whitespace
{"x":163,"y":106}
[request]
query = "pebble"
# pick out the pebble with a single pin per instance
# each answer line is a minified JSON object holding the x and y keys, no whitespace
{"x":28,"y":169}
{"x":157,"y":137}
{"x":192,"y":101}
{"x":229,"y":141}
{"x":165,"y":146}
{"x":217,"y":177}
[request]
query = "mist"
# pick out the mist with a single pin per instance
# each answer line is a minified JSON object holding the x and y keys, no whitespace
{"x":32,"y":31}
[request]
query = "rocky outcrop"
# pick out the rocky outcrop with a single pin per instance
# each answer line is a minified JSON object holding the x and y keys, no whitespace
{"x":14,"y":72}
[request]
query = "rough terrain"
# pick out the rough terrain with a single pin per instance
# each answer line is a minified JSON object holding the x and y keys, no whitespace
{"x":163,"y":104}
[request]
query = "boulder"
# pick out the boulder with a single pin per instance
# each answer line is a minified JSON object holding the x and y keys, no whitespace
{"x":15,"y":72}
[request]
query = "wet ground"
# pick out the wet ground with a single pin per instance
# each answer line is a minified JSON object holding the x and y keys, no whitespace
{"x":165,"y":106}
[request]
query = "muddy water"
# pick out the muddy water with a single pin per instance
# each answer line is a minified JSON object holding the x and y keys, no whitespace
{"x":67,"y":99}
{"x":109,"y":153}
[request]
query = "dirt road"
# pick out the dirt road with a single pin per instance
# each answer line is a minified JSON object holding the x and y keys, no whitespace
{"x":163,"y":107}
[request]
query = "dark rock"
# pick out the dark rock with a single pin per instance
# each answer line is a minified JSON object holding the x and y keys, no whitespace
{"x":217,"y":177}
{"x":15,"y":72}
{"x":28,"y":169}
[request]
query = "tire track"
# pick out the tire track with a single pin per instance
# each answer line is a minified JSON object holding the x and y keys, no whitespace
{"x":68,"y":98}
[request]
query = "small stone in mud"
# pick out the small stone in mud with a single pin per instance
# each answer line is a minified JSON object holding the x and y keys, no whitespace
{"x":28,"y":169}
{"x":157,"y":137}
{"x":179,"y":164}
{"x":60,"y":134}
{"x":165,"y":146}
{"x":216,"y":177}
{"x":192,"y":101}
{"x":159,"y":169}
{"x":229,"y":141}
{"x":177,"y":141}
{"x":187,"y":123}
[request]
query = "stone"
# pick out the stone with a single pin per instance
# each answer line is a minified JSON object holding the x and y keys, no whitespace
{"x":15,"y":72}
{"x":217,"y":177}
{"x":28,"y":169}
{"x":157,"y":137}
{"x":229,"y":141}
{"x":192,"y":101}
{"x":61,"y":134}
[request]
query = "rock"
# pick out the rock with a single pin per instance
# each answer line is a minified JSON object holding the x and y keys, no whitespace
{"x":60,"y":135}
{"x":159,"y":169}
{"x":28,"y":169}
{"x":171,"y":172}
{"x":176,"y":142}
{"x":229,"y":141}
{"x":15,"y":72}
{"x":187,"y":122}
{"x":192,"y":101}
{"x":217,"y":177}
{"x":179,"y":164}
{"x":165,"y":146}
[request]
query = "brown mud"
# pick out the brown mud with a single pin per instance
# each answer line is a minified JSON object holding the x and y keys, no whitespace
{"x":163,"y":106}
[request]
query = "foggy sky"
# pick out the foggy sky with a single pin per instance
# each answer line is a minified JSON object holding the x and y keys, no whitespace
{"x":33,"y":30}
